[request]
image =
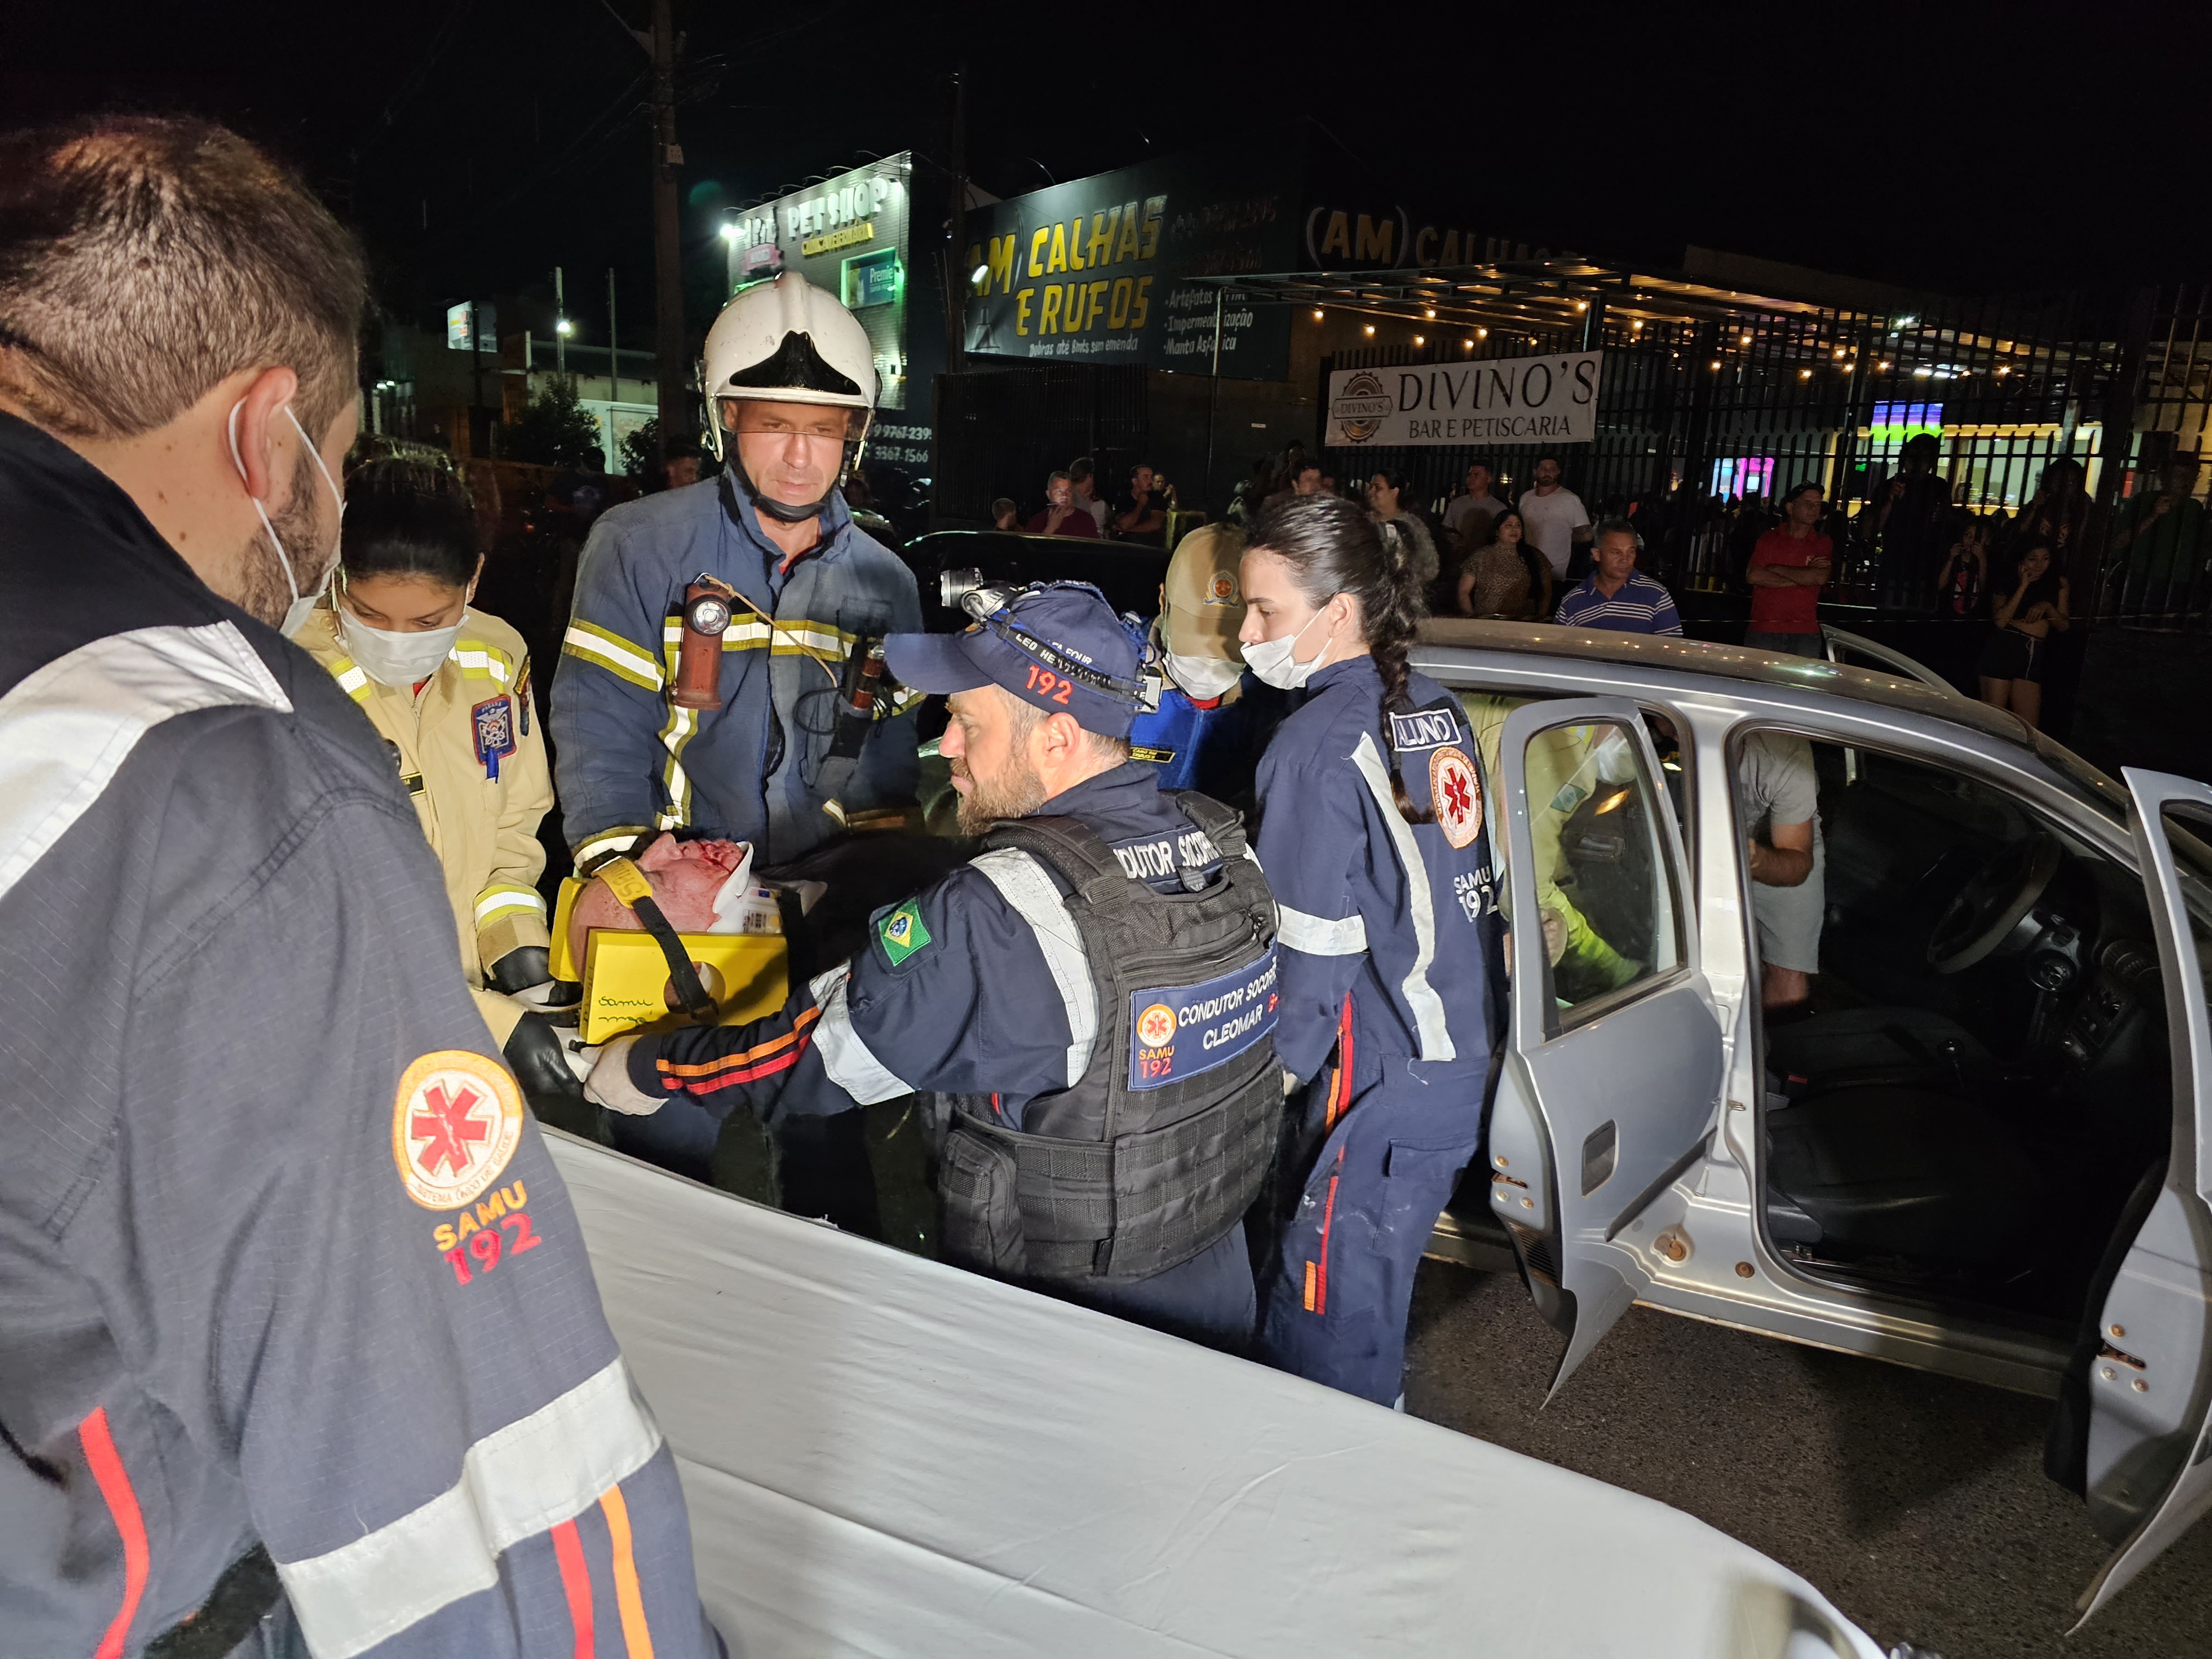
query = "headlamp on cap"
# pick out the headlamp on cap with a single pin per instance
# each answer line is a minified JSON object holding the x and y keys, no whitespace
{"x":994,"y":608}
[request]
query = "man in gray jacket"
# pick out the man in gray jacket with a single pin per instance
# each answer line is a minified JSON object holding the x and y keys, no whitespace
{"x":298,"y":1345}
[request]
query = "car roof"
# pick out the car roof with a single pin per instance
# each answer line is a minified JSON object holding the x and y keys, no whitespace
{"x":1734,"y":662}
{"x":1713,"y":658}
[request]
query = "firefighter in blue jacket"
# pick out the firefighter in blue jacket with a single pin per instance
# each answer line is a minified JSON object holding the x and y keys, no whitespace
{"x":1088,"y":1002}
{"x":1374,"y":834}
{"x":719,"y":635}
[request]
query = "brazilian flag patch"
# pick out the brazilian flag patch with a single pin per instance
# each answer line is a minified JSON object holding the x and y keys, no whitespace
{"x":901,"y":931}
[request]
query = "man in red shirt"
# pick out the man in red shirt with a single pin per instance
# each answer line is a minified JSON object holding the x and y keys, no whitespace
{"x":1063,"y":515}
{"x":1789,"y":566}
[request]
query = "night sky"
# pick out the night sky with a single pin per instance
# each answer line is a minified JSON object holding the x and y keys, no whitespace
{"x":476,"y":143}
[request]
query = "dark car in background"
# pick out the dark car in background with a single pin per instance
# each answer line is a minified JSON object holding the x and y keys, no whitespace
{"x":1128,"y":574}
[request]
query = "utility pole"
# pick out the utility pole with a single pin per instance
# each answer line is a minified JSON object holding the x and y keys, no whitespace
{"x":559,"y":326}
{"x":614,"y":343}
{"x":957,"y":266}
{"x":667,"y":248}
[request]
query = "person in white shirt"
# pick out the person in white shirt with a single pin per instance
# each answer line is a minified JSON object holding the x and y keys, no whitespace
{"x":1085,"y":479}
{"x":1557,"y":522}
{"x":1478,"y":505}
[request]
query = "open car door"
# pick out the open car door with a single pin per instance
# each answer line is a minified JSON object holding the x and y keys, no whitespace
{"x":1612,"y":1073}
{"x":2150,"y":1383}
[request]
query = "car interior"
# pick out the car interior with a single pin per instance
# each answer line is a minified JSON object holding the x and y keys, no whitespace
{"x":1980,"y":1082}
{"x":1987,"y":1027}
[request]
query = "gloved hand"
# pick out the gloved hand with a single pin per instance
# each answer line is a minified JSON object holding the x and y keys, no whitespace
{"x":608,"y":1081}
{"x":524,"y":966}
{"x":537,"y":1055}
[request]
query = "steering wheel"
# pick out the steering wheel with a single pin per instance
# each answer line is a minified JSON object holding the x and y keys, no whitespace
{"x":1990,"y":905}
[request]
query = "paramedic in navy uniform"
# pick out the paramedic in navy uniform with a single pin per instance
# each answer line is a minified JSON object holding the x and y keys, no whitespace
{"x":983,"y":989}
{"x":1373,"y":834}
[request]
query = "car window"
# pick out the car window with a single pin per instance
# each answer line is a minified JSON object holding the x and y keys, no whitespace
{"x":1485,"y":716}
{"x":1605,"y":885}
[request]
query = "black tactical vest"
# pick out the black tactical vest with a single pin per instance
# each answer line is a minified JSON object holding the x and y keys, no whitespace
{"x":1163,"y":1143}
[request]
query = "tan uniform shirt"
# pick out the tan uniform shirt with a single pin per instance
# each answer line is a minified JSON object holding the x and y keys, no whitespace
{"x":482,"y":828}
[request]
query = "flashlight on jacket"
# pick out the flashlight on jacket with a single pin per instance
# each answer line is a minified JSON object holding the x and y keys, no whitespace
{"x":699,"y":655}
{"x":864,"y":674}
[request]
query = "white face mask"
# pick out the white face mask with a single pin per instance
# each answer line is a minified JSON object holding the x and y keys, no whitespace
{"x":1272,"y":661}
{"x":296,"y":614}
{"x":1203,"y":679}
{"x":395,"y":659}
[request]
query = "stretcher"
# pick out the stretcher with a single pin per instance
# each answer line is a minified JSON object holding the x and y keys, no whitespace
{"x":885,"y":1455}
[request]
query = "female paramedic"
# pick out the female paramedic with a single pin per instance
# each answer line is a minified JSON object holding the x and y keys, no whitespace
{"x":448,"y":690}
{"x":1373,"y":833}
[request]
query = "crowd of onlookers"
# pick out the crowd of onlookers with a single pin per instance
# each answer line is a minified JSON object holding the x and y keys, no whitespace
{"x":1073,"y":507}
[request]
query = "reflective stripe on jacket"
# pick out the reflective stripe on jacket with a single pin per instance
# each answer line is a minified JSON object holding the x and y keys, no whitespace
{"x":630,"y":761}
{"x":282,"y":1257}
{"x":1403,"y":917}
{"x":481,"y":818}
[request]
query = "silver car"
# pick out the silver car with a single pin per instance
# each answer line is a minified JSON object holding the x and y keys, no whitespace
{"x":1959,"y":1158}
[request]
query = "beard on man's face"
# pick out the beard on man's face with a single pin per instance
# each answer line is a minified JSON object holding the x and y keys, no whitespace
{"x":266,"y":593}
{"x":1015,"y":792}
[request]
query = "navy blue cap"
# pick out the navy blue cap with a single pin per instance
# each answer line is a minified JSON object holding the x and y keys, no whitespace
{"x":1058,"y":645}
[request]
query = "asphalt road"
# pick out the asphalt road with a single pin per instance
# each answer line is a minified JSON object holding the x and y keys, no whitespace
{"x":1915,"y":1504}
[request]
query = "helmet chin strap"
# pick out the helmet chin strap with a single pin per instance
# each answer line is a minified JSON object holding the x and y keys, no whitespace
{"x":764,"y":502}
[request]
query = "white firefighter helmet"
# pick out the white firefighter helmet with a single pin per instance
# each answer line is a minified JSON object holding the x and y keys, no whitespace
{"x":785,"y":341}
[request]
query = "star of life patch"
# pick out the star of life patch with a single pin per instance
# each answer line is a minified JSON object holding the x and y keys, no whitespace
{"x":456,"y":1120}
{"x":902,"y":932}
{"x":1455,"y":795}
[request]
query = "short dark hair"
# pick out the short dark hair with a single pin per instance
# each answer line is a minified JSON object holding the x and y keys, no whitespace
{"x":1305,"y":466}
{"x":1081,"y":468}
{"x":1135,"y":467}
{"x":1797,"y":490}
{"x":1614,"y":527}
{"x":144,"y":260}
{"x":409,"y":518}
{"x":1551,"y":455}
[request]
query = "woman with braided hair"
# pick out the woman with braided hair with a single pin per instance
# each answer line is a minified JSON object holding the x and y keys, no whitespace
{"x":1373,"y":833}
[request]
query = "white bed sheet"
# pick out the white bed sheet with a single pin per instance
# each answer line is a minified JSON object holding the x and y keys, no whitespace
{"x":884,"y":1455}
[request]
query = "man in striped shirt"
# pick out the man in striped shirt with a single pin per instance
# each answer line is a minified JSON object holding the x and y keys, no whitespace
{"x":1616,"y":594}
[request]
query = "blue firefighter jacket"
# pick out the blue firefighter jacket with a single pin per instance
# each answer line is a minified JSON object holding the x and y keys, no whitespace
{"x":1401,"y":918}
{"x":627,"y":760}
{"x":1193,"y":744}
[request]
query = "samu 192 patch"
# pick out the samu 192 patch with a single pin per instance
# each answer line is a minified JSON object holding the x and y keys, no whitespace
{"x":902,"y":932}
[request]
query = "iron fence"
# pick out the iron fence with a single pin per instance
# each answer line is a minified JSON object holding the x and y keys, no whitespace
{"x":2153,"y":540}
{"x":1003,"y":432}
{"x":1707,"y":415}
